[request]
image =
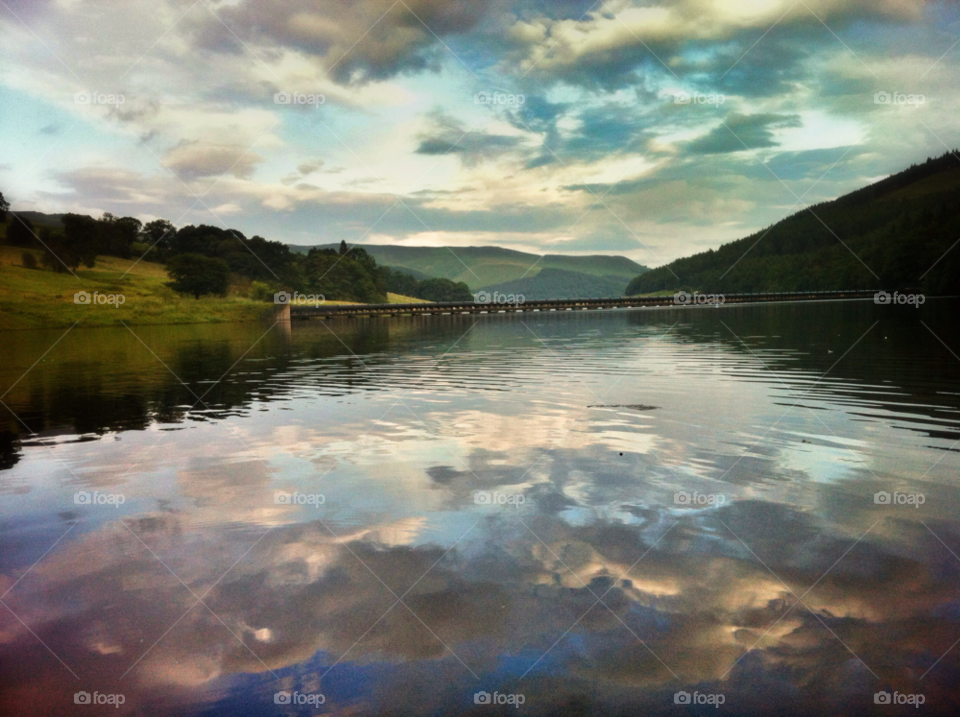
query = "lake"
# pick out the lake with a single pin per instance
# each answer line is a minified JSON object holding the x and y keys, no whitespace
{"x":745,"y":510}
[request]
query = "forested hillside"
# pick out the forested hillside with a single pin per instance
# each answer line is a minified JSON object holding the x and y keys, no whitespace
{"x":894,"y":234}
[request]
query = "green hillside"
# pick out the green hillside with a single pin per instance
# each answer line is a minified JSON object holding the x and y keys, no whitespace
{"x":484,"y":266}
{"x":559,"y":284}
{"x":895,"y":234}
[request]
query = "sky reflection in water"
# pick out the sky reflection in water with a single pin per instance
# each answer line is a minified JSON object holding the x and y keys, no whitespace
{"x":602,"y":592}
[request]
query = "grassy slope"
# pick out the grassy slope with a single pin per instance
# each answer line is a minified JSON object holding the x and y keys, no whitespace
{"x":401,"y":299}
{"x":41,"y":298}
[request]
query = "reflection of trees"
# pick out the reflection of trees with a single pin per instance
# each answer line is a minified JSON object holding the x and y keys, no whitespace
{"x":104,"y":380}
{"x":898,"y":355}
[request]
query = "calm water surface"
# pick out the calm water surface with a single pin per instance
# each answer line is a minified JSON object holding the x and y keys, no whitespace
{"x":586,"y":513}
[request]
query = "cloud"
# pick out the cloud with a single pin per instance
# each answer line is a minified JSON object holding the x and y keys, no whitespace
{"x":738,"y":133}
{"x":446,"y":135}
{"x":300,"y":594}
{"x":356,"y":41}
{"x":607,"y":46}
{"x":195,"y":159}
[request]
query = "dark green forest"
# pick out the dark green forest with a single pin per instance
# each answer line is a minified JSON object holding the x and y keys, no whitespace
{"x":896,"y":234}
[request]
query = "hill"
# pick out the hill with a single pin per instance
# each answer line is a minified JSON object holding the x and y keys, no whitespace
{"x":895,"y":234}
{"x":44,"y":220}
{"x":559,"y":284}
{"x":40,"y":298}
{"x":486,"y":266}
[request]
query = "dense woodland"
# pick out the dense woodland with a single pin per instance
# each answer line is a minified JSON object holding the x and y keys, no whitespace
{"x":204,"y":260}
{"x":902,"y":228}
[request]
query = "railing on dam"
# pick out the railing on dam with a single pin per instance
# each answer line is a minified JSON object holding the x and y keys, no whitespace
{"x":329,"y":311}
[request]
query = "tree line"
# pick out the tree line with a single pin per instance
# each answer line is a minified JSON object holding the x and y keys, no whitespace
{"x":208,"y":260}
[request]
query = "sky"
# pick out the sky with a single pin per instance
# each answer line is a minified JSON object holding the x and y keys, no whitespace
{"x":648,"y":129}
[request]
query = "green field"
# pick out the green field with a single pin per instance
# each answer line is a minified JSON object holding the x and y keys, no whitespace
{"x":41,"y":298}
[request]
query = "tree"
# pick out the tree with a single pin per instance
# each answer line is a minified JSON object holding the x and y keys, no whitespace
{"x":198,"y":275}
{"x":443,"y":290}
{"x":20,"y":231}
{"x":4,"y":206}
{"x":159,"y":234}
{"x":344,"y":278}
{"x":28,"y":260}
{"x":117,"y":234}
{"x":80,"y":241}
{"x":343,"y":247}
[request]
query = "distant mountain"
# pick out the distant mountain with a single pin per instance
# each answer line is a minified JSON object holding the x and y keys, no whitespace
{"x":488,"y":265}
{"x":44,"y":220}
{"x":896,"y":234}
{"x":560,"y":284}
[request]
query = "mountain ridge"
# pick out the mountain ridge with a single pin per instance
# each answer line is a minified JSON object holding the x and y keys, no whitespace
{"x":485,"y":266}
{"x":897,"y":233}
